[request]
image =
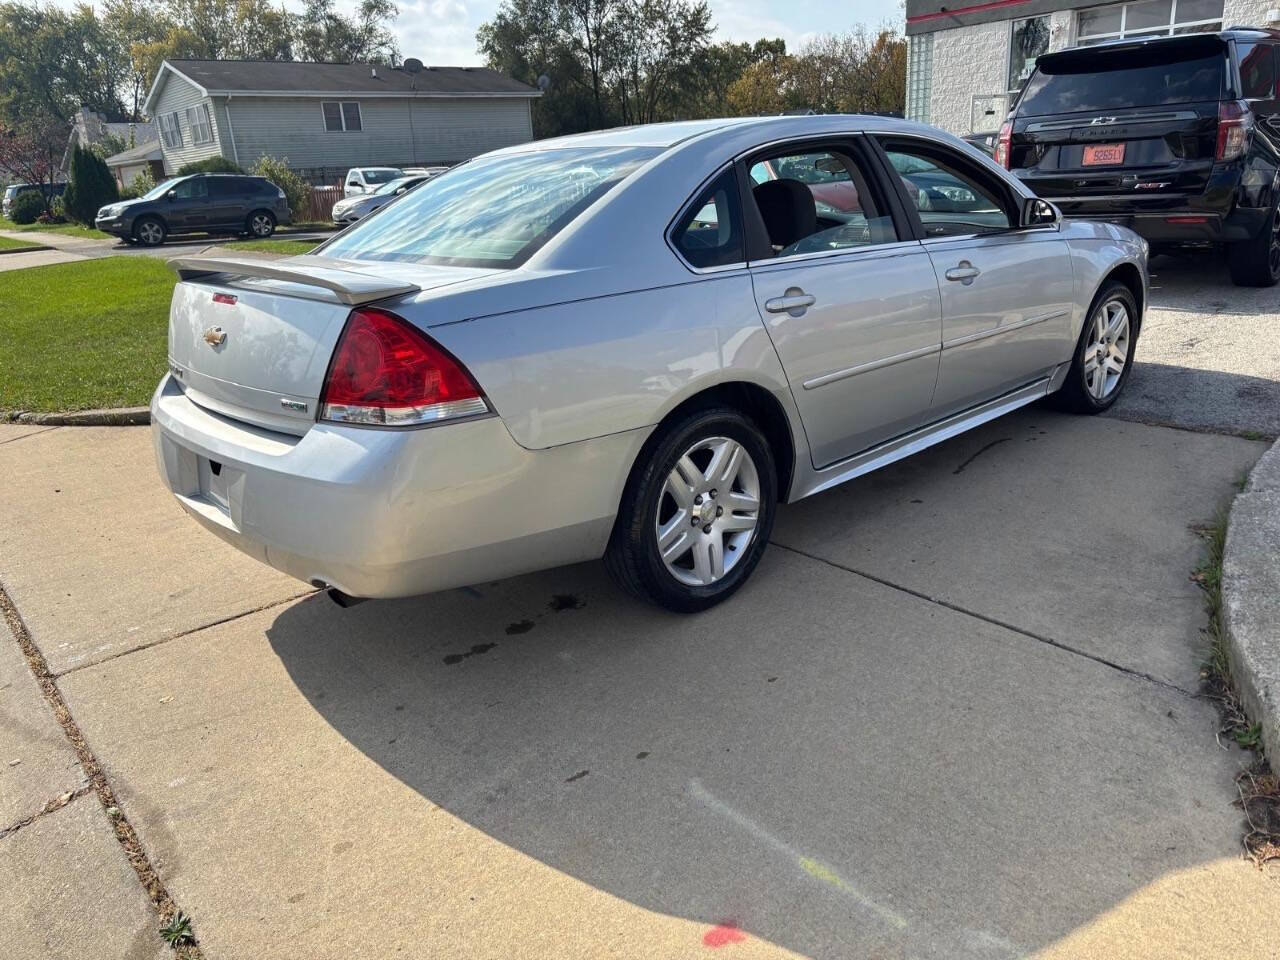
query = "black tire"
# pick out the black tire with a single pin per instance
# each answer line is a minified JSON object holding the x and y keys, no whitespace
{"x":150,"y":231}
{"x":260,"y":224}
{"x":1076,"y":395}
{"x":633,"y":558}
{"x":1256,"y":262}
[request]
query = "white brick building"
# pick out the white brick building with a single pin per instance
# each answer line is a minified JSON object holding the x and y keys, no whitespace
{"x":966,"y":60}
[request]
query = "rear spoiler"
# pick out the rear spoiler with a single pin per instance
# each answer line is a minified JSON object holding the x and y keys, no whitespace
{"x":351,"y":287}
{"x":1131,"y":52}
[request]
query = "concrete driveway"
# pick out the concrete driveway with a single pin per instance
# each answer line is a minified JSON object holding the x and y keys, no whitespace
{"x":953,"y":715}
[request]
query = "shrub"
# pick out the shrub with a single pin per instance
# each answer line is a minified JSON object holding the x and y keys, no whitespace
{"x":27,"y":206}
{"x":142,"y":184}
{"x":296,"y":190}
{"x":209,"y":165}
{"x":89,"y":187}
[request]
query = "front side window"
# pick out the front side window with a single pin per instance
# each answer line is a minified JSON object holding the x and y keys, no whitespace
{"x":340,"y":115}
{"x":948,"y":198}
{"x":1257,"y":70}
{"x":711,"y":233}
{"x":170,"y":131}
{"x":817,"y":201}
{"x":198,"y":123}
{"x":493,"y":211}
{"x":197,"y":188}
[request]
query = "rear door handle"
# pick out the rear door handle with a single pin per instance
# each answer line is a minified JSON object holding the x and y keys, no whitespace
{"x":964,"y":271}
{"x":795,"y":301}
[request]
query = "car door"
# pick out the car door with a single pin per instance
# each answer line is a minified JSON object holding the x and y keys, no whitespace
{"x":847,"y":296}
{"x":354,"y":185}
{"x":1007,"y":292}
{"x":228,"y":202}
{"x":188,"y":208}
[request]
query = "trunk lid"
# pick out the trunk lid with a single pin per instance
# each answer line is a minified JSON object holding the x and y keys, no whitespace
{"x":1135,"y":120}
{"x":252,"y":340}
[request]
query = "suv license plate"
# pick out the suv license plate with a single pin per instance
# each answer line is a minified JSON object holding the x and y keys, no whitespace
{"x":1103,"y":154}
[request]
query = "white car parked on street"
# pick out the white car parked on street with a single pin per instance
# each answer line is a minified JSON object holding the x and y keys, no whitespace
{"x":362,"y":180}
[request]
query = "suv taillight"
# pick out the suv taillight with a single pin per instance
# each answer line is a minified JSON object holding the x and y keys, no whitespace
{"x":1234,"y":125}
{"x":1003,"y":141}
{"x":386,"y":372}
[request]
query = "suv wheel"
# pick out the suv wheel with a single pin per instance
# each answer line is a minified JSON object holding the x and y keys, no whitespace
{"x":149,"y":231}
{"x":696,"y":513}
{"x":261,"y":223}
{"x":1104,"y":355}
{"x":1256,"y":262}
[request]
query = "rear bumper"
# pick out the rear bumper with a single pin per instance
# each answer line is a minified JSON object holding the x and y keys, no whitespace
{"x":387,"y":513}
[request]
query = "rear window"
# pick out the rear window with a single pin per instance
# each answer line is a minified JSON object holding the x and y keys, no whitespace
{"x":491,"y":212}
{"x":1114,"y":80}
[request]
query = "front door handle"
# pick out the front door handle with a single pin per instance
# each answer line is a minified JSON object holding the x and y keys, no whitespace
{"x":964,"y":271}
{"x":794,"y":302}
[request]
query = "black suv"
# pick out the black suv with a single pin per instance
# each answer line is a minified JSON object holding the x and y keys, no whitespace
{"x":1175,"y":137}
{"x":200,"y":203}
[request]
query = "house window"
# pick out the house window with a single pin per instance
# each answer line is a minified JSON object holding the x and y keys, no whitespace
{"x":170,"y":132}
{"x":1030,"y":39}
{"x":1147,"y":18}
{"x":198,"y":122}
{"x":338,"y":116}
{"x":919,"y":76}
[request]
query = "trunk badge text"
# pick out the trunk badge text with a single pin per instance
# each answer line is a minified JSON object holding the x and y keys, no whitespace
{"x":215,"y":336}
{"x":293,"y":405}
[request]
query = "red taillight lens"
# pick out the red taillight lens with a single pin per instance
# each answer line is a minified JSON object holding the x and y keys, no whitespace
{"x":384,"y":371}
{"x":1003,"y":144}
{"x":1234,"y":124}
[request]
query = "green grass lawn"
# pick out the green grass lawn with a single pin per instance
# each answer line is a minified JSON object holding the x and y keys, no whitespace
{"x":77,"y":336}
{"x":8,"y":244}
{"x":292,"y":247}
{"x":67,"y":229}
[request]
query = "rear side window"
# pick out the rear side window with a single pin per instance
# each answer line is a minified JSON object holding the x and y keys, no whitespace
{"x":1257,"y":70}
{"x":225,"y":187}
{"x":711,"y":233}
{"x":1114,"y":80}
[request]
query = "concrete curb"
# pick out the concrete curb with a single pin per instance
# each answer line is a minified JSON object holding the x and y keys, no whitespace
{"x":35,"y":247}
{"x":121,"y":417}
{"x":1251,"y":597}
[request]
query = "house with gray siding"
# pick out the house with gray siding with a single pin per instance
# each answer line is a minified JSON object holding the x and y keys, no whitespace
{"x":967,"y":60}
{"x":327,"y":117}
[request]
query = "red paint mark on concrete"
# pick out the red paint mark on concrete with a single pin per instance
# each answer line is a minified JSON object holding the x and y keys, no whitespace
{"x":722,"y":934}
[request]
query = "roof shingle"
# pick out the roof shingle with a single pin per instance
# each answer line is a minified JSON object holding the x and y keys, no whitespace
{"x":346,"y":78}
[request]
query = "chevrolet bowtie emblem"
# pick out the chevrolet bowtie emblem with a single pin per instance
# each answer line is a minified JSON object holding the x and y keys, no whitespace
{"x":215,"y":336}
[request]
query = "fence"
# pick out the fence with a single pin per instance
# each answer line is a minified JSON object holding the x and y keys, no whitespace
{"x":319,"y":205}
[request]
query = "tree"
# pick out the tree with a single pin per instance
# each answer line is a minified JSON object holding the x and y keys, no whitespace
{"x":32,"y":151}
{"x":655,"y":42}
{"x":131,"y":25}
{"x":90,"y":186}
{"x":323,"y":34}
{"x":704,"y":87}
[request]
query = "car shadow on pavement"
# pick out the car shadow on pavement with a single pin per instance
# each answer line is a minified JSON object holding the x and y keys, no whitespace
{"x":1191,"y":397}
{"x":1198,"y":281}
{"x":827,"y":763}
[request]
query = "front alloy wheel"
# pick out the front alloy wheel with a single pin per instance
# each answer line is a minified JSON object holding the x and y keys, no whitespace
{"x":696,"y":513}
{"x":262,"y":224}
{"x":1107,"y":353}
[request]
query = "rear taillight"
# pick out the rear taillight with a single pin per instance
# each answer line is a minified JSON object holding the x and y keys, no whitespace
{"x":1003,"y":144}
{"x":1234,"y":125}
{"x":386,"y":372}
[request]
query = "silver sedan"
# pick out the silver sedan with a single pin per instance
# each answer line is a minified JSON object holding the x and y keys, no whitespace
{"x":632,"y":345}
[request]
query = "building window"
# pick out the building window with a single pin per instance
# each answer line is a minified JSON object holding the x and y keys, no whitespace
{"x":1147,"y":18}
{"x":198,"y":123}
{"x":1030,"y":39}
{"x":919,"y":76}
{"x":170,"y":132}
{"x":340,"y":116}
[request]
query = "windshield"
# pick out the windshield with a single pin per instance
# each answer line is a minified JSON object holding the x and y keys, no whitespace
{"x":160,"y":189}
{"x":381,"y":176}
{"x":391,"y":186}
{"x":491,"y":212}
{"x":1119,"y":79}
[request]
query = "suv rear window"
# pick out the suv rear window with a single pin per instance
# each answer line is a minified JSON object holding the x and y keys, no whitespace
{"x":1114,"y":80}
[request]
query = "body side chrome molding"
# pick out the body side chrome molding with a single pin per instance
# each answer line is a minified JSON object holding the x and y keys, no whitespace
{"x":1004,"y":328}
{"x":910,"y":443}
{"x":824,"y":379}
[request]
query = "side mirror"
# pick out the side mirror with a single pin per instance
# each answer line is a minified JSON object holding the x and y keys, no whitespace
{"x":171,"y":195}
{"x":1039,"y":213}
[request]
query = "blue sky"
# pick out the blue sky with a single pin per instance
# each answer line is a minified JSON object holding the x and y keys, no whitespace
{"x":443,"y":31}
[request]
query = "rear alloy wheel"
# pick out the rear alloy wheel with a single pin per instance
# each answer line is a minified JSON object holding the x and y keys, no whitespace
{"x":1256,"y":262}
{"x":262,"y":224}
{"x":1104,"y":355}
{"x":149,"y":232}
{"x":697,"y":512}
